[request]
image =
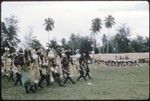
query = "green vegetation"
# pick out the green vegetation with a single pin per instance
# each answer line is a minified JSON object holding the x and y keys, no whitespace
{"x":107,"y":83}
{"x":120,"y":42}
{"x":9,"y":37}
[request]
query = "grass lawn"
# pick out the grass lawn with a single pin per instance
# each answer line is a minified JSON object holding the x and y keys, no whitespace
{"x":107,"y":83}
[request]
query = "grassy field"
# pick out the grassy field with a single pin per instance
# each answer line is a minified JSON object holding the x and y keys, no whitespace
{"x":107,"y":83}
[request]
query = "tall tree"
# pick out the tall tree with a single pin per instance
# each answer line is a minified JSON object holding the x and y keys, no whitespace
{"x":49,"y":25}
{"x":146,"y":43}
{"x":96,"y":27}
{"x":81,"y":44}
{"x":104,"y":41}
{"x":28,"y":38}
{"x":31,"y":41}
{"x":4,"y":36}
{"x":72,"y":37}
{"x":85,"y":45}
{"x":36,"y":44}
{"x":109,"y":23}
{"x":140,"y":44}
{"x":9,"y":37}
{"x":112,"y":46}
{"x":64,"y":44}
{"x":121,"y":39}
{"x":53,"y":44}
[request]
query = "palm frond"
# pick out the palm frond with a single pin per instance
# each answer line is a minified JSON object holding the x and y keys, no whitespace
{"x":49,"y":24}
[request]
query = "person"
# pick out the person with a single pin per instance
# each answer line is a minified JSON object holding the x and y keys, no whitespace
{"x":87,"y":61}
{"x":58,"y":61}
{"x":43,"y":69}
{"x":11,"y":67}
{"x":26,"y":78}
{"x":35,"y":70}
{"x":66,"y":60}
{"x":19,"y":62}
{"x":81,"y":68}
{"x":126,"y":58}
{"x":55,"y":72}
{"x":7,"y":65}
{"x":2,"y":66}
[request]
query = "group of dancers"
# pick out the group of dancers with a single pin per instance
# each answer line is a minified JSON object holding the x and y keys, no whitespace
{"x":31,"y":67}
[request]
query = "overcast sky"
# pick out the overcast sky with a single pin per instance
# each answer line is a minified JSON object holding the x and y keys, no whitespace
{"x":75,"y":17}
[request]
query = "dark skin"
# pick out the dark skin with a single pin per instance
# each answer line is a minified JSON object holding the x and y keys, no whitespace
{"x":17,"y":62}
{"x":87,"y":57}
{"x":44,"y":77}
{"x":56,"y":76}
{"x":10,"y":72}
{"x":65,"y":61}
{"x":27,"y":63}
{"x":81,"y":62}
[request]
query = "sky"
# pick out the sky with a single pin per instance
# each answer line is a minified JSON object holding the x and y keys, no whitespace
{"x":75,"y":17}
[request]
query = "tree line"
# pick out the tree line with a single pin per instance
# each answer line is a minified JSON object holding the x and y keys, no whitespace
{"x":119,"y":43}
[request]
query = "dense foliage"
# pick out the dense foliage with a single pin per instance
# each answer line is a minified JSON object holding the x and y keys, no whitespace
{"x":9,"y":38}
{"x":119,"y":43}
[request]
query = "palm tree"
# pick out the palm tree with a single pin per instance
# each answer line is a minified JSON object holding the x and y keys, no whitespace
{"x":96,"y":27}
{"x":49,"y":25}
{"x":109,"y":22}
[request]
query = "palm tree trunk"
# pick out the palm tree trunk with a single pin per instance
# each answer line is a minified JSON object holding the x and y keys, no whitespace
{"x":103,"y":49}
{"x":108,"y":41}
{"x":99,"y":50}
{"x":73,"y":48}
{"x":94,"y":43}
{"x":48,"y":37}
{"x":117,"y":47}
{"x":107,"y":46}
